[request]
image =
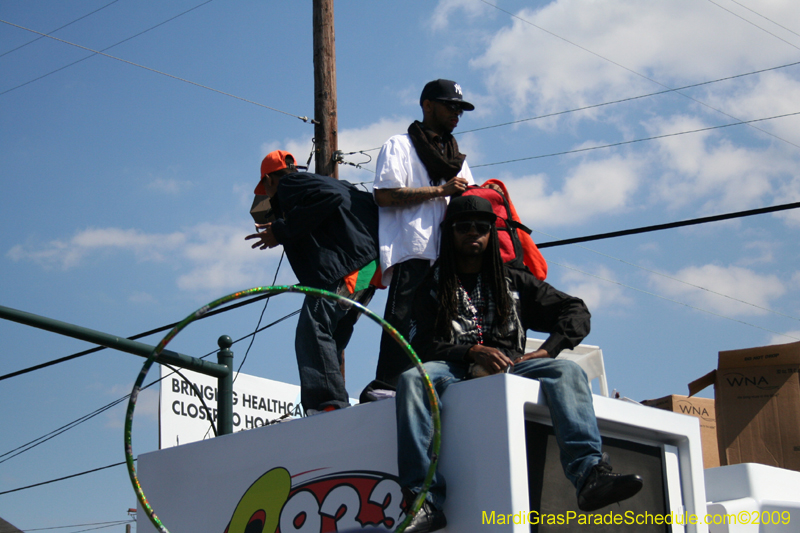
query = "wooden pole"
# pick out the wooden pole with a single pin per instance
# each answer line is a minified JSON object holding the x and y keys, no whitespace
{"x":325,"y":131}
{"x":326,"y":128}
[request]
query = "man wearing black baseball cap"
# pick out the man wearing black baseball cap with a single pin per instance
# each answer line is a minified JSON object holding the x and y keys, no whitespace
{"x":416,"y":173}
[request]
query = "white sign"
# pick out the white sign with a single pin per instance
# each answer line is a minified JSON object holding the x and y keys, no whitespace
{"x":184,"y":418}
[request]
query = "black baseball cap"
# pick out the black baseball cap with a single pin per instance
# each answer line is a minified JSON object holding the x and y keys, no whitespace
{"x":445,"y":91}
{"x":469,"y":205}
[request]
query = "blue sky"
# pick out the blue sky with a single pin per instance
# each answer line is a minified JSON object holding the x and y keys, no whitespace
{"x":126,"y":192}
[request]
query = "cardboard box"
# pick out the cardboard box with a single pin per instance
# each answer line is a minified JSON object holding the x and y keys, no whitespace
{"x":757,"y":393}
{"x":702,"y":409}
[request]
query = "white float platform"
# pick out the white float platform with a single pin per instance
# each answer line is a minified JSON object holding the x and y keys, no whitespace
{"x":347,"y":459}
{"x":755,"y":498}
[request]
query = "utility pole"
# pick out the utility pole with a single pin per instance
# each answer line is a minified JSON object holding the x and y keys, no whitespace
{"x":326,"y":127}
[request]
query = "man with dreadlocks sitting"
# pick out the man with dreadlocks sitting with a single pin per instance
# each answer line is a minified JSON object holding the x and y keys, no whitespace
{"x":471,"y":314}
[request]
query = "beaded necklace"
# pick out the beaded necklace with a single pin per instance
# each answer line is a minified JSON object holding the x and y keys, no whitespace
{"x":477,"y":314}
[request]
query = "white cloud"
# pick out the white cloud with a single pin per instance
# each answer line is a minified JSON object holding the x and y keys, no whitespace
{"x":213,"y":257}
{"x":599,"y":290}
{"x":370,"y":136}
{"x":591,"y":188}
{"x":769,"y":94}
{"x":447,"y":8}
{"x":350,"y":139}
{"x":705,"y":167}
{"x":735,"y":282}
{"x":583,"y":51}
{"x":68,"y":254}
{"x":170,"y":186}
{"x":789,"y":336}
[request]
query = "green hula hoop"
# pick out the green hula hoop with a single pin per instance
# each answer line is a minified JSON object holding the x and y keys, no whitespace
{"x":275,"y":290}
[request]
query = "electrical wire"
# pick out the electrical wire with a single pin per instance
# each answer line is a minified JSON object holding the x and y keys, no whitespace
{"x":622,"y":143}
{"x":63,"y":478}
{"x":137,"y":336}
{"x":32,"y":444}
{"x":198,"y":394}
{"x":756,"y":25}
{"x":628,"y":99}
{"x":98,"y":52}
{"x":766,"y":18}
{"x":623,"y":100}
{"x":678,"y":280}
{"x":253,"y":338}
{"x":671,"y":225}
{"x":56,"y":432}
{"x":748,"y":123}
{"x":59,"y":28}
{"x":103,"y":50}
{"x":104,"y":524}
{"x":104,"y":527}
{"x":671,"y":300}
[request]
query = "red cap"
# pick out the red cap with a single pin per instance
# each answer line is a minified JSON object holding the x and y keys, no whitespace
{"x":274,"y":161}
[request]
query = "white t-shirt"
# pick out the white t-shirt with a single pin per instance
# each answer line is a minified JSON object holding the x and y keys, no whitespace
{"x":407,"y":232}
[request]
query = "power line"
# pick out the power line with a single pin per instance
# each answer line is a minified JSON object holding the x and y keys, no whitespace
{"x":754,"y":24}
{"x":63,"y":478}
{"x":593,"y":106}
{"x":103,"y":50}
{"x":631,"y":98}
{"x":767,"y":18}
{"x":656,"y":272}
{"x":32,"y":444}
{"x":253,"y":338}
{"x":98,"y":52}
{"x":671,"y":225}
{"x":104,"y":524}
{"x":134,"y":337}
{"x":59,"y":28}
{"x":632,"y":71}
{"x":101,"y":410}
{"x":674,"y":301}
{"x":622,"y":143}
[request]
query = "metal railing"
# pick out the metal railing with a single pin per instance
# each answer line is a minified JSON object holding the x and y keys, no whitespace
{"x":222,"y":370}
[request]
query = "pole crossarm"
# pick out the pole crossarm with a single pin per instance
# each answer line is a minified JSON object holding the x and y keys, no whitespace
{"x":112,"y":341}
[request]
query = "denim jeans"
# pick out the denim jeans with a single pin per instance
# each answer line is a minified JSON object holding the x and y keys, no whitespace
{"x":323,"y":331}
{"x":569,"y":399}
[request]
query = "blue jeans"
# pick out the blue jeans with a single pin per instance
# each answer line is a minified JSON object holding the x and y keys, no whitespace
{"x":569,"y":399}
{"x":323,"y":330}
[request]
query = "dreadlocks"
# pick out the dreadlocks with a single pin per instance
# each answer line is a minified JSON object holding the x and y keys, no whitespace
{"x":493,"y":275}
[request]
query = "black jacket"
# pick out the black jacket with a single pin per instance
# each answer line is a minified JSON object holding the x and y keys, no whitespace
{"x":540,"y":307}
{"x":327,"y":227}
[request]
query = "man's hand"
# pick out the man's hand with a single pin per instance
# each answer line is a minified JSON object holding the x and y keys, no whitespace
{"x":493,"y":186}
{"x":266,"y":239}
{"x":538,"y":354}
{"x":491,"y":359}
{"x":454,"y":187}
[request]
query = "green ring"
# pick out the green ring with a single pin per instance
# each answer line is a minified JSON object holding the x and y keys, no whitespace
{"x":274,"y":290}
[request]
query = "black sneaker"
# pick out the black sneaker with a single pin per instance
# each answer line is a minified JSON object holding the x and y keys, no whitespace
{"x":603,"y":487}
{"x":429,"y":518}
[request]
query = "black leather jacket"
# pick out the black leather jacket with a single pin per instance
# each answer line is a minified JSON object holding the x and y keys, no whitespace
{"x":540,"y":307}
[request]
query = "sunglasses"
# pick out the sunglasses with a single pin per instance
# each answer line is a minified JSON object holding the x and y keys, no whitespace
{"x":452,"y":106}
{"x":481,"y":227}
